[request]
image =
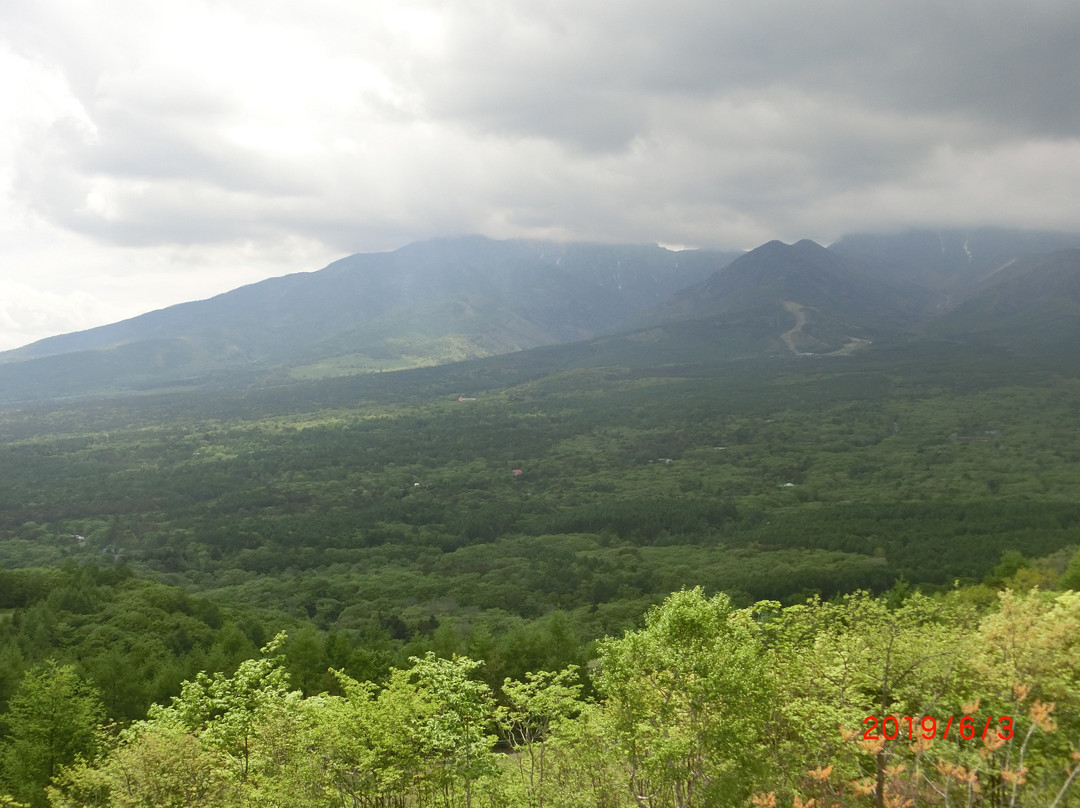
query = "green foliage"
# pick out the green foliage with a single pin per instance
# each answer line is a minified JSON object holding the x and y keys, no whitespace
{"x":53,"y":719}
{"x":135,"y":640}
{"x":1071,"y":578}
{"x":456,"y":732}
{"x":690,"y":695}
{"x":369,"y":743}
{"x":839,"y":662}
{"x":144,"y":540}
{"x":150,"y":545}
{"x":161,"y":766}
{"x":226,"y":710}
{"x":534,"y":723}
{"x":705,"y":705}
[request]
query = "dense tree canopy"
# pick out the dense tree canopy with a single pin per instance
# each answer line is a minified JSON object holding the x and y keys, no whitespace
{"x":435,"y":623}
{"x":856,"y":702}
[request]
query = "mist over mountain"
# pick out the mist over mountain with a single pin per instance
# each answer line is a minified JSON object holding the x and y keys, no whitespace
{"x":430,"y":302}
{"x":1029,"y":302}
{"x":831,"y":293}
{"x":949,"y":262}
{"x":445,"y":300}
{"x":535,"y":292}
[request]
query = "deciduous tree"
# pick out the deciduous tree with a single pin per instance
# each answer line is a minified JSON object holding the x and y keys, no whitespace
{"x":53,"y":718}
{"x":689,"y":696}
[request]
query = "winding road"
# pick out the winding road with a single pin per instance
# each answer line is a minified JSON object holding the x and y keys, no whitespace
{"x":799,"y":310}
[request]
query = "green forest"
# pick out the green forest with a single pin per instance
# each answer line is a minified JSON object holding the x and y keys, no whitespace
{"x":454,"y":586}
{"x":858,"y":701}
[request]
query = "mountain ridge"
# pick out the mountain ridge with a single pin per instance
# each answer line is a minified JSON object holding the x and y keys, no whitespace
{"x":429,"y":302}
{"x":444,"y":300}
{"x":373,"y":284}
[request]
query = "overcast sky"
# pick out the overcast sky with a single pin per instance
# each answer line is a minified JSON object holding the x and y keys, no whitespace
{"x":157,"y":152}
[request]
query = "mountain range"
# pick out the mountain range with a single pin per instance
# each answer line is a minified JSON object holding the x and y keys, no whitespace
{"x":444,"y":300}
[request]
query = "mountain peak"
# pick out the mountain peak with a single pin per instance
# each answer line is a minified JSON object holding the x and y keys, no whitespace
{"x":429,"y":302}
{"x":779,"y":250}
{"x":836,"y":292}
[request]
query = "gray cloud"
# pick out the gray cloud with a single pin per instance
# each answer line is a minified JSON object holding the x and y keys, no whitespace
{"x":535,"y":69}
{"x":234,"y":127}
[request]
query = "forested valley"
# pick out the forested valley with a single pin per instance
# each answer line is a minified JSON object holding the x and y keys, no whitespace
{"x":453,"y":586}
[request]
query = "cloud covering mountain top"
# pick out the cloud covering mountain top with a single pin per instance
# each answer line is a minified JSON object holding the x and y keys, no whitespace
{"x":156,"y":152}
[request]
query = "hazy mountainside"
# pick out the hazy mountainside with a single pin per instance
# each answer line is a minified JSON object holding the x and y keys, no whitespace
{"x":447,"y":300}
{"x":805,"y":272}
{"x":798,"y":298}
{"x":1030,"y":302}
{"x":427,"y":303}
{"x":949,"y":262}
{"x":807,"y":300}
{"x":556,"y":291}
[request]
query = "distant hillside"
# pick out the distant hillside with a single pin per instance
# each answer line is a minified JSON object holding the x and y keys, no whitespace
{"x":949,"y":262}
{"x":805,"y":300}
{"x":797,"y":299}
{"x":1031,"y":302}
{"x":427,"y":303}
{"x":447,"y":300}
{"x":807,"y":273}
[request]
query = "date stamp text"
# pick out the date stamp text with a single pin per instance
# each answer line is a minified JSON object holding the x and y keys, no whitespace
{"x":891,"y":727}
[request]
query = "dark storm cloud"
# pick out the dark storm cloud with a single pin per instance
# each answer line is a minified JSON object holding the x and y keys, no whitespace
{"x":236,"y":126}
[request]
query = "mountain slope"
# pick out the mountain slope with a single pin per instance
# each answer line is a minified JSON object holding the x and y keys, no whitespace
{"x":427,"y":303}
{"x":797,"y":299}
{"x":447,"y":300}
{"x":565,"y":291}
{"x":949,"y":262}
{"x":1031,"y":303}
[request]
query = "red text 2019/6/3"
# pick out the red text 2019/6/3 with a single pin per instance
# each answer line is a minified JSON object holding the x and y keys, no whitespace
{"x":891,"y":727}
